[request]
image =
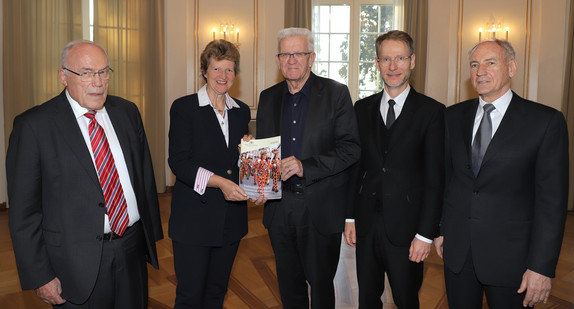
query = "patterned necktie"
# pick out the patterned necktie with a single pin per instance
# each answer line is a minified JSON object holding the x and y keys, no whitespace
{"x":116,"y":206}
{"x":482,"y":138}
{"x":391,"y":114}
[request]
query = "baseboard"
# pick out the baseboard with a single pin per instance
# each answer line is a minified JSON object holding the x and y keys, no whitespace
{"x":3,"y":206}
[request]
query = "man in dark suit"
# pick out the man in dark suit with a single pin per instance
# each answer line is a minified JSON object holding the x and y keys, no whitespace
{"x":319,"y":142}
{"x":82,"y":234}
{"x":506,"y":190}
{"x":399,"y":181}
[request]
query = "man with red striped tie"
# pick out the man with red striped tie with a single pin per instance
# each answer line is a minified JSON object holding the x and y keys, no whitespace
{"x":84,"y":215}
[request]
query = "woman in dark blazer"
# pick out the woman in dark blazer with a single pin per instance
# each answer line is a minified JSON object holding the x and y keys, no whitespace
{"x":208,"y":209}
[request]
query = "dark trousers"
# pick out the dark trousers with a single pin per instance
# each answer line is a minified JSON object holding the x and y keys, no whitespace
{"x":202,"y":274}
{"x":376,"y":255}
{"x":465,"y":291}
{"x":303,"y":255}
{"x":122,"y":279}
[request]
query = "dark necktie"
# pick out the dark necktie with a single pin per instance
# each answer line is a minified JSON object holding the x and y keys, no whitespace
{"x":390,"y":114}
{"x":482,"y":138}
{"x":116,"y":206}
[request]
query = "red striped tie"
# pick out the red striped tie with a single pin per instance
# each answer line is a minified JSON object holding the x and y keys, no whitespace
{"x":116,"y":206}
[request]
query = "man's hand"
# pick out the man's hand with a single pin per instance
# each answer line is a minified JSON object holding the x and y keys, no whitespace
{"x":537,"y":288}
{"x":50,"y":292}
{"x":350,"y":235}
{"x":419,"y":250}
{"x":438,"y":245}
{"x":260,"y":200}
{"x":291,"y":166}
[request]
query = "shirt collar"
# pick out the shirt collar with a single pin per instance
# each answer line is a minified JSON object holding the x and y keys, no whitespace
{"x":79,"y":110}
{"x":306,"y":90}
{"x":205,"y":101}
{"x":400,"y":99}
{"x":501,"y":104}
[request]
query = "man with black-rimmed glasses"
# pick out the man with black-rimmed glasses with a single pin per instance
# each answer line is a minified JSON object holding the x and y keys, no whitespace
{"x":319,"y":141}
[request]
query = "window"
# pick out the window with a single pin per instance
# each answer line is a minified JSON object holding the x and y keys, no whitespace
{"x":345,"y":33}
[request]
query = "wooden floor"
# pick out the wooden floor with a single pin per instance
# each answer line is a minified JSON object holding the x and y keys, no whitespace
{"x":253,"y":283}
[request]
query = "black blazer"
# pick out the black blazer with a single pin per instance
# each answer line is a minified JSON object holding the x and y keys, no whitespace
{"x":56,"y":201}
{"x":330,"y":146}
{"x":407,"y":179}
{"x":196,"y":140}
{"x":511,"y":216}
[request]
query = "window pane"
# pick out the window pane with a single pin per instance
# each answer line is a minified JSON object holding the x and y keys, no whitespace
{"x":369,"y":78}
{"x":322,"y":47}
{"x":331,"y":25}
{"x":338,"y":71}
{"x":339,"y":47}
{"x":321,"y":68}
{"x":340,"y":15}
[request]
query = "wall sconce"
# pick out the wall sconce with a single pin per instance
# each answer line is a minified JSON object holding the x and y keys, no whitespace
{"x":493,"y":30}
{"x":228,"y":32}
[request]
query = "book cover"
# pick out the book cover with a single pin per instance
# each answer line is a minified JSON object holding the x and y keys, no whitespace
{"x":260,"y":167}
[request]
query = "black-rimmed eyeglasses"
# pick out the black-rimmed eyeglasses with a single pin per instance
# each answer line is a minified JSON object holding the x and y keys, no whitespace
{"x":298,"y":55}
{"x":88,"y":76}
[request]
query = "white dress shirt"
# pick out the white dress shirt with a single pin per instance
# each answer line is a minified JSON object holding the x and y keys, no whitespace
{"x":399,"y":103}
{"x":103,"y":120}
{"x":500,"y":106}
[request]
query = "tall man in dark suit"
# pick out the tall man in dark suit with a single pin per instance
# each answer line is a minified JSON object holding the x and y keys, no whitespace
{"x":83,"y":212}
{"x":319,"y":142}
{"x":399,"y":181}
{"x":506,"y":190}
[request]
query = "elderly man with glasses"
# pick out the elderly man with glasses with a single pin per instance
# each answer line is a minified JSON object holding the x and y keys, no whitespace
{"x":84,"y":215}
{"x":319,"y":141}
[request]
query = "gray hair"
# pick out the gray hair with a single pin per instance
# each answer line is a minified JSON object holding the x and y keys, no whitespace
{"x":71,"y":45}
{"x":509,"y":53}
{"x":290,"y":32}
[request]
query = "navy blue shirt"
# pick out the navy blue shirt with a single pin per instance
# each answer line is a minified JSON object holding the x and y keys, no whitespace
{"x":293,"y":121}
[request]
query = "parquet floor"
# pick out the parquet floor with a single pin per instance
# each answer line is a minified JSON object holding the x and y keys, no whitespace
{"x":253,"y":283}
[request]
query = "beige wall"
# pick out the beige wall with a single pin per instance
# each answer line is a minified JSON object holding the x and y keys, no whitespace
{"x":538,"y":31}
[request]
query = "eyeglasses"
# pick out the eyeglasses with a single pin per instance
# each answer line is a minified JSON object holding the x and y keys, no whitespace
{"x":88,"y":76}
{"x":399,"y":60}
{"x":298,"y":55}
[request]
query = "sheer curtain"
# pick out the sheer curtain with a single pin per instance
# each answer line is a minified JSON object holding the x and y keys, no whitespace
{"x":132,"y":32}
{"x":568,"y":101}
{"x":416,"y":24}
{"x":298,"y":13}
{"x":34,"y":34}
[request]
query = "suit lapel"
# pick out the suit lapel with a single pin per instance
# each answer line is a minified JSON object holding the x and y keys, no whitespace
{"x":405,"y":119}
{"x":67,"y":124}
{"x":315,"y":111}
{"x":508,"y":128}
{"x":123,"y":132}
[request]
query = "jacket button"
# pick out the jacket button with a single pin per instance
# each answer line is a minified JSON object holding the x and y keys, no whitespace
{"x":384,"y":170}
{"x":229,"y":172}
{"x":101,"y":204}
{"x":99,"y":238}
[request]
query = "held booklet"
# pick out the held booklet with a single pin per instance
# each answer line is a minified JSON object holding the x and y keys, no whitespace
{"x":260,"y":167}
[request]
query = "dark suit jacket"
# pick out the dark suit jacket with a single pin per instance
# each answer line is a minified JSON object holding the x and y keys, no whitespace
{"x":195,"y":140}
{"x":408,"y":177}
{"x":330,"y":146}
{"x":56,"y":201}
{"x":511,"y":216}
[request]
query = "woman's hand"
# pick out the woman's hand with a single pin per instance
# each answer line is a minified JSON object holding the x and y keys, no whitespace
{"x":231,"y":191}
